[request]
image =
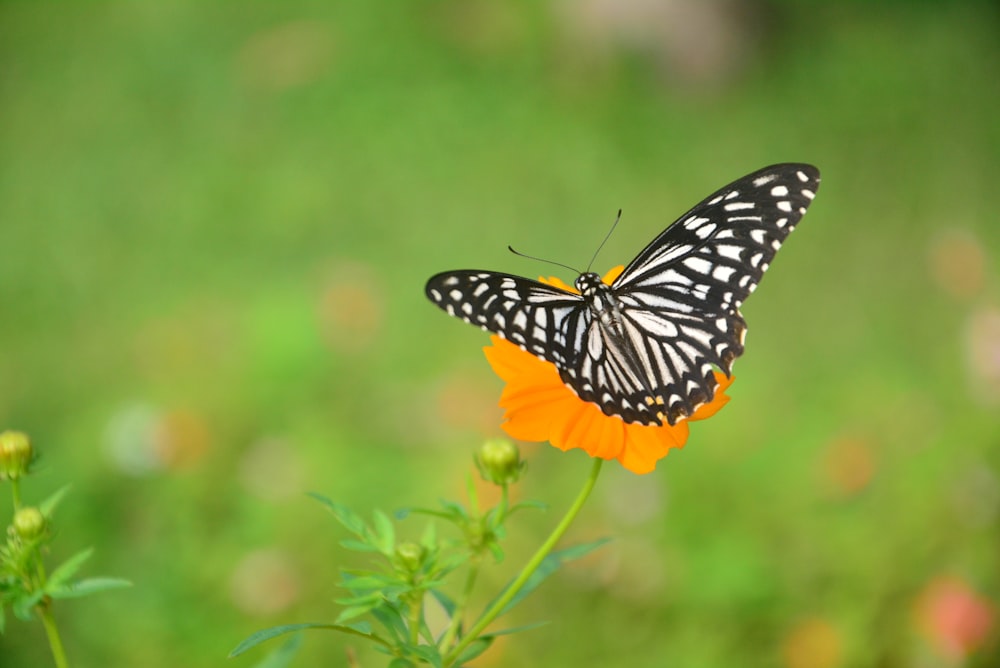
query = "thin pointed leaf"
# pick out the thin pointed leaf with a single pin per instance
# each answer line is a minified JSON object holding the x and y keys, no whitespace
{"x":49,"y":505}
{"x":456,"y":510}
{"x":389,"y":617}
{"x":429,"y":653}
{"x":357,"y":545}
{"x":283,"y":655}
{"x":516,"y":629}
{"x":401,"y":663}
{"x":68,"y":568}
{"x":362,"y":630}
{"x":385,"y":534}
{"x":358,"y":601}
{"x":23,"y":608}
{"x":446,"y":603}
{"x":347,"y":517}
{"x":403,"y":514}
{"x":85,"y":587}
{"x":354,"y":611}
{"x":474,"y":649}
{"x":428,"y":540}
{"x":524,"y":505}
{"x":548,"y":566}
{"x":367,"y":582}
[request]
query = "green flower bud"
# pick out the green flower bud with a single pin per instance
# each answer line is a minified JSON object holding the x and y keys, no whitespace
{"x":15,"y":455}
{"x":410,"y":556}
{"x":499,"y":461}
{"x":29,"y":523}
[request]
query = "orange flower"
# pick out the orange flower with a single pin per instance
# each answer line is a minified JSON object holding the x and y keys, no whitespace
{"x":540,"y":407}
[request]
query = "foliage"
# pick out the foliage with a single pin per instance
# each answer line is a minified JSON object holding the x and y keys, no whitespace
{"x":26,"y":587}
{"x":406,"y":575}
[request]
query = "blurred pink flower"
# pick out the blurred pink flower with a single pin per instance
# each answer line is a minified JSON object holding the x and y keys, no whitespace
{"x":953,"y":617}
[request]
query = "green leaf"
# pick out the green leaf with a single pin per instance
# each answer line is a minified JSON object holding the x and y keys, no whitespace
{"x":49,"y":505}
{"x":456,"y":512}
{"x":366,"y":582}
{"x":450,"y":562}
{"x":401,"y":663}
{"x":361,"y":629}
{"x":474,"y":649}
{"x":355,"y":601}
{"x":497,"y":552}
{"x":428,"y":540}
{"x":446,"y":603}
{"x":385,"y":534}
{"x":402,"y":514}
{"x":68,"y":568}
{"x":429,"y":653}
{"x":390,"y":618}
{"x":523,"y":505}
{"x":515,"y":629}
{"x":85,"y":587}
{"x":355,"y":611}
{"x":23,"y":608}
{"x":283,"y":655}
{"x":347,"y":517}
{"x":548,"y":566}
{"x":357,"y":545}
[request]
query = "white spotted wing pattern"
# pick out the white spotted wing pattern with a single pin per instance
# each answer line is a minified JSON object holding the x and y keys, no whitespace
{"x":645,"y":347}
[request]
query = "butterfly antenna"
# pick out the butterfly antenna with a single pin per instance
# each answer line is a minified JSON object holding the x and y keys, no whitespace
{"x":608,"y":236}
{"x":539,"y":259}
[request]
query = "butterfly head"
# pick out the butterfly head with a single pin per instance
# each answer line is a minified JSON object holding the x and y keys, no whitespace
{"x":589,"y":283}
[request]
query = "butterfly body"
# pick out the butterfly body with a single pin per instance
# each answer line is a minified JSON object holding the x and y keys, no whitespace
{"x":644,"y":348}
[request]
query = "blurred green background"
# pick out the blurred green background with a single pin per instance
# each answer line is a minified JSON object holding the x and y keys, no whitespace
{"x":216,"y":220}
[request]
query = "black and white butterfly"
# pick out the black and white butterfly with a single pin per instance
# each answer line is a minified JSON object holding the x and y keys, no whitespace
{"x":644,"y":348}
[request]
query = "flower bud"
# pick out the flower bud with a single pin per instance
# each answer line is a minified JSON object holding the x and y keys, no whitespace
{"x":29,"y":523}
{"x":499,"y":462}
{"x":15,"y":455}
{"x":410,"y":556}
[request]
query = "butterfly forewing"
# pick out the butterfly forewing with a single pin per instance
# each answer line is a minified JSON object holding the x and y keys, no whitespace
{"x":530,"y":314}
{"x":675,"y":306}
{"x":713,"y":256}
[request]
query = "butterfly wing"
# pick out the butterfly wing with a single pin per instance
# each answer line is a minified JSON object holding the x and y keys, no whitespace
{"x":680,"y":296}
{"x":679,"y":302}
{"x":537,"y":317}
{"x":715,"y":254}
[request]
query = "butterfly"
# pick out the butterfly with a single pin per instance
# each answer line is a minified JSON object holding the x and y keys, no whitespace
{"x":644,"y":348}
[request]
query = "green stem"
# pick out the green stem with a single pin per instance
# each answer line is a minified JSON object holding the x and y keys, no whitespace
{"x":55,"y":642}
{"x":463,"y":603}
{"x":415,"y":606}
{"x":15,"y":490}
{"x":536,"y":560}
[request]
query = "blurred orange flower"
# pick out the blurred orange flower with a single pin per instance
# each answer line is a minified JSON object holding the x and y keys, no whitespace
{"x":540,"y":407}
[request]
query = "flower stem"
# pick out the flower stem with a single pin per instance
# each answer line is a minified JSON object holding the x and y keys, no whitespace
{"x":15,"y":491}
{"x":55,"y":642}
{"x":415,"y":610}
{"x":456,"y":618}
{"x":536,"y":560}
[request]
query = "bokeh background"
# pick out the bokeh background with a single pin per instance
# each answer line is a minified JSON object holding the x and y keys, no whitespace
{"x":216,"y":220}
